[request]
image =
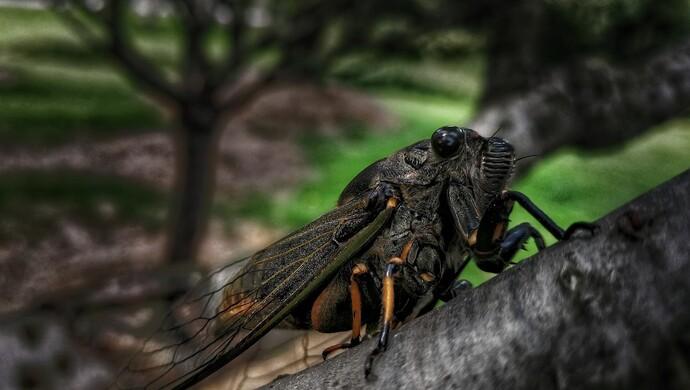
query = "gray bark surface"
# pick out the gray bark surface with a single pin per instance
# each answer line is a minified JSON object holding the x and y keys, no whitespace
{"x":611,"y":311}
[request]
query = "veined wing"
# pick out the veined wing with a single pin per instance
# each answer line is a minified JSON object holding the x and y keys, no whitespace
{"x":232,"y":308}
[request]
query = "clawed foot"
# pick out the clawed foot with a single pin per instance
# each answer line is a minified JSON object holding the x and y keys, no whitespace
{"x":589,"y":227}
{"x":336,"y":347}
{"x":455,"y":290}
{"x":370,"y":363}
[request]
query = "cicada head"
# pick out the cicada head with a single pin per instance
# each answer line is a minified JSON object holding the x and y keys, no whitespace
{"x":476,"y":170}
{"x":467,"y":171}
{"x":483,"y":165}
{"x":453,"y":154}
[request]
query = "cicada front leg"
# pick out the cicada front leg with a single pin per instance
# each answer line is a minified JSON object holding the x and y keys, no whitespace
{"x":455,"y":286}
{"x":545,"y":220}
{"x":494,"y":246}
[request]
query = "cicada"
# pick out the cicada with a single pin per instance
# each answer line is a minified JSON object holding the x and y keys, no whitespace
{"x":401,"y":234}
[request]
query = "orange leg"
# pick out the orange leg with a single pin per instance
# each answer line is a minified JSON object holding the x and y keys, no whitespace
{"x":388,"y":300}
{"x":388,"y":303}
{"x":356,"y":299}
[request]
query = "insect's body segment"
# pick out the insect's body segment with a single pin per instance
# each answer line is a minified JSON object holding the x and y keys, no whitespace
{"x":403,"y":231}
{"x":438,"y":223}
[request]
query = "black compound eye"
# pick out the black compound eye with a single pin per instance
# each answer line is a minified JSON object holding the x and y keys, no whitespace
{"x":446,"y":140}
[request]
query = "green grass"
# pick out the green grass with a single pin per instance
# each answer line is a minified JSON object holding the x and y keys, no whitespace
{"x":40,"y":108}
{"x":430,"y":77}
{"x":56,"y":90}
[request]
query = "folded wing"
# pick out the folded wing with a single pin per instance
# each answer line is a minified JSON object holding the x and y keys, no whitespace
{"x":233,"y":307}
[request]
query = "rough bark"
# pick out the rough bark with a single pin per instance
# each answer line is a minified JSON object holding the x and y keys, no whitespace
{"x":608,"y":311}
{"x":593,"y":104}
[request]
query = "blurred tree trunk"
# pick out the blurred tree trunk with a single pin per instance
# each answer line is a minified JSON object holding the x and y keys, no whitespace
{"x":196,"y":146}
{"x":201,"y":97}
{"x":592,"y":103}
{"x":514,"y":58}
{"x":607,"y":312}
{"x":552,"y":80}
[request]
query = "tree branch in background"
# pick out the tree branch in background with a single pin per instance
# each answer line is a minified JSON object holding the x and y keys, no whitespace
{"x":116,"y":43}
{"x":513,"y":55}
{"x":71,"y":19}
{"x":141,"y":70}
{"x":236,"y":32}
{"x":593,"y":104}
{"x":195,"y":64}
{"x":205,"y":93}
{"x":191,"y":97}
{"x":591,"y":313}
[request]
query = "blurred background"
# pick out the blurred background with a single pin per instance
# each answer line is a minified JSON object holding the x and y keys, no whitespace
{"x":143,"y":140}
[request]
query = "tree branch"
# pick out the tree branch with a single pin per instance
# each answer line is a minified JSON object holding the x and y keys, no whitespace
{"x":140,"y":69}
{"x":195,"y":65}
{"x":112,"y":19}
{"x":69,"y":17}
{"x":237,"y":44}
{"x":604,"y":312}
{"x":593,"y":104}
{"x":240,"y":94}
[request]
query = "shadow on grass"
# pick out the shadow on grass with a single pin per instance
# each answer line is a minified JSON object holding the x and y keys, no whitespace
{"x":33,"y":204}
{"x":57,"y":50}
{"x":39,"y":109}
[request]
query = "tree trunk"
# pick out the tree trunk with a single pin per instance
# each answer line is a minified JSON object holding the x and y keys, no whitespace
{"x":593,"y":104}
{"x":514,"y":58}
{"x":196,"y":154}
{"x":606,"y":312}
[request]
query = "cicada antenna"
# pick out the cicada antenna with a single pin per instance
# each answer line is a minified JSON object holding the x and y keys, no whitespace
{"x":496,"y":131}
{"x":528,"y":156}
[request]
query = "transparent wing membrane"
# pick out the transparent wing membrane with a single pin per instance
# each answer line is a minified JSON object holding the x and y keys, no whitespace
{"x":235,"y":305}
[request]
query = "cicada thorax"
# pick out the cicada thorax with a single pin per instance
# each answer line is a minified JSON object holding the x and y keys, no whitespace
{"x":415,"y":237}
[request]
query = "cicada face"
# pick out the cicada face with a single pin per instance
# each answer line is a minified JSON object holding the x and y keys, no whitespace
{"x":457,"y":165}
{"x":482,"y":165}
